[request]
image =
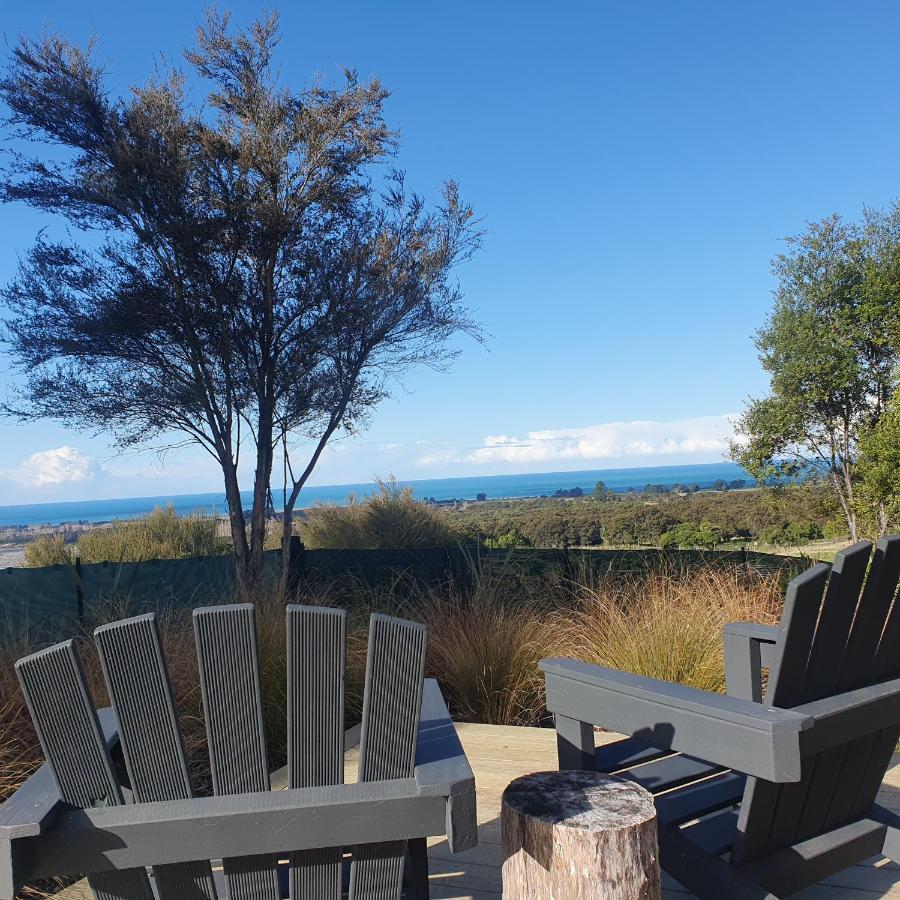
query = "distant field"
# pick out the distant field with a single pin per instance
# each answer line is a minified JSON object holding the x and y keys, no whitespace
{"x":11,"y":555}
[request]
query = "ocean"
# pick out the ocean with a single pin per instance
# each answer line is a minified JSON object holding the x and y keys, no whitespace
{"x":495,"y":486}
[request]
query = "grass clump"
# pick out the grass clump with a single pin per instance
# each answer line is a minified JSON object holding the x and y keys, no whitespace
{"x":49,"y":551}
{"x":486,"y":636}
{"x":667,"y":624}
{"x":390,"y":518}
{"x":161,"y":535}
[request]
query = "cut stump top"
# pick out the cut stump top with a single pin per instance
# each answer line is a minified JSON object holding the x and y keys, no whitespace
{"x":580,"y":799}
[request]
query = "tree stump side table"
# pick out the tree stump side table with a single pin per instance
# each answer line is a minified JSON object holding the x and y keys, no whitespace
{"x":576,"y":835}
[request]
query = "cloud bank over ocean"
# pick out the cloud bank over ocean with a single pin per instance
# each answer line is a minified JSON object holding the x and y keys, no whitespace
{"x":704,"y":437}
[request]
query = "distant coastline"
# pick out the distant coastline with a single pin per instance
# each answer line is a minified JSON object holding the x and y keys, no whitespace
{"x":495,"y":487}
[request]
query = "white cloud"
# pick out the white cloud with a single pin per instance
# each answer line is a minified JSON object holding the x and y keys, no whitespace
{"x":60,"y":466}
{"x":705,"y":436}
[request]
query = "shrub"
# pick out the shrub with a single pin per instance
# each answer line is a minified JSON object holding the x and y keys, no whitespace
{"x":49,"y":551}
{"x":790,"y":534}
{"x":391,"y":518}
{"x":690,"y":534}
{"x":509,"y":540}
{"x":161,"y":535}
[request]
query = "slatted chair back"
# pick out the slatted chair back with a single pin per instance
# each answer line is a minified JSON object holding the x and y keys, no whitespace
{"x":232,"y":709}
{"x":395,"y":668}
{"x":840,"y":631}
{"x":66,"y":723}
{"x":316,"y":641}
{"x":152,"y":749}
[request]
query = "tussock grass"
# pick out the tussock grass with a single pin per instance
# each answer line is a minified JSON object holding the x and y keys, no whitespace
{"x":49,"y":551}
{"x":161,"y":535}
{"x":667,"y":624}
{"x":388,"y":519}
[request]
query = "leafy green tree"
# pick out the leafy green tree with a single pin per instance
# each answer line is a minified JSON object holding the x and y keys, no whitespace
{"x":602,"y":492}
{"x":830,"y":347}
{"x":878,"y":470}
{"x":235,"y":275}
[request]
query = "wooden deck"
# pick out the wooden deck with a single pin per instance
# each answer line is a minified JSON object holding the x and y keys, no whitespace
{"x":498,"y":754}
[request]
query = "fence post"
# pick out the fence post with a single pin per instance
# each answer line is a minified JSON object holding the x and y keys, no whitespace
{"x":79,"y":591}
{"x":296,"y":563}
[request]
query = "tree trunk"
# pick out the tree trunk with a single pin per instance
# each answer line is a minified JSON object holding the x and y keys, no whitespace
{"x":261,"y":480}
{"x":287,"y":531}
{"x":579,"y":835}
{"x":238,"y":526}
{"x":287,"y":516}
{"x":844,"y":488}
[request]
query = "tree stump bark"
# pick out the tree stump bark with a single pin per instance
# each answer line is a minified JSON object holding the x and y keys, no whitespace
{"x":578,"y":835}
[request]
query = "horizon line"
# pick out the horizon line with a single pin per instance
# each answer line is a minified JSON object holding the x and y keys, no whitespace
{"x":400,"y":481}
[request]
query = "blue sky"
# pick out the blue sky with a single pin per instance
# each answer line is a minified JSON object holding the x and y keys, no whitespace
{"x":636,"y":165}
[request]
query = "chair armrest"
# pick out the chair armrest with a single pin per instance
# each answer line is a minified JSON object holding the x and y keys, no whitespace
{"x":844,"y":717}
{"x":729,"y":731}
{"x":442,"y":768}
{"x":83,"y":841}
{"x":748,"y":647}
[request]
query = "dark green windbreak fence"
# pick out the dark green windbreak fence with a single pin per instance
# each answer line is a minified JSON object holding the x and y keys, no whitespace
{"x":46,"y":603}
{"x":49,"y":601}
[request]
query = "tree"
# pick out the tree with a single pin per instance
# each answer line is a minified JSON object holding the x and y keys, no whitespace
{"x":830,"y":347}
{"x":602,"y":492}
{"x":878,"y":470}
{"x":237,"y":276}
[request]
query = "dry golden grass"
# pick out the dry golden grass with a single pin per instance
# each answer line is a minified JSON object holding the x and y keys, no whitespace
{"x":484,"y":647}
{"x":162,"y":534}
{"x":389,"y":518}
{"x":666,"y":624}
{"x":49,"y":551}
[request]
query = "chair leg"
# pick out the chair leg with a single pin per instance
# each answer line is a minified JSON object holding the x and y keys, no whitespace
{"x":418,"y":857}
{"x":892,"y":833}
{"x":575,"y":744}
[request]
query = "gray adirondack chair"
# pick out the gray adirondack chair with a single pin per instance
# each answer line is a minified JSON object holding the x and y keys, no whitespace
{"x":761,"y":799}
{"x":114,"y":796}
